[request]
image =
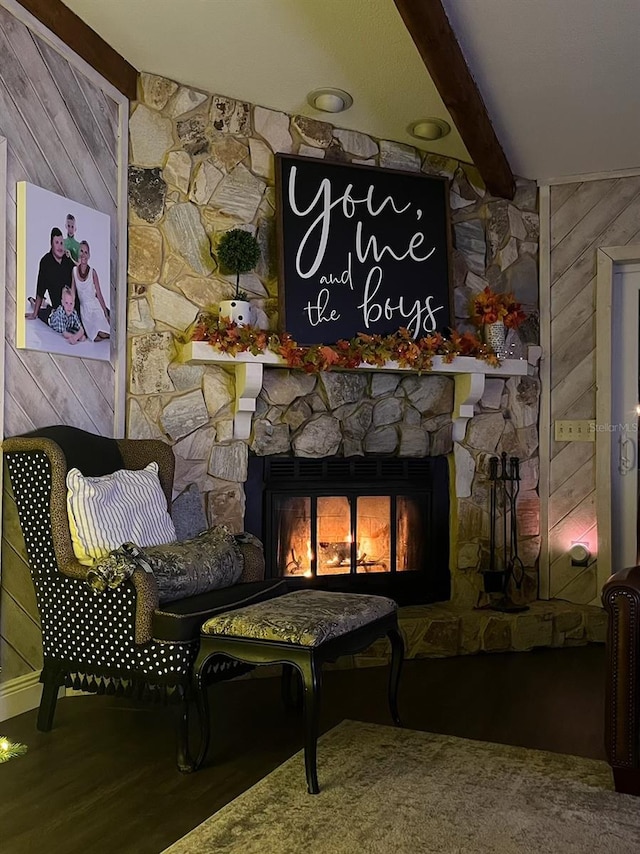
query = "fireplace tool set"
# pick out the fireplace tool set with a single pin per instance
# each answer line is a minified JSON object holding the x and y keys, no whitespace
{"x":504,"y":475}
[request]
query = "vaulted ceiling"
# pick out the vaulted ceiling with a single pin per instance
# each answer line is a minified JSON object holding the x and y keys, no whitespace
{"x":559,"y":78}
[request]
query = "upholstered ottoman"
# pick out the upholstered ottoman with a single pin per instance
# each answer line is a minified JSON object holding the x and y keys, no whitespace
{"x":301,"y":630}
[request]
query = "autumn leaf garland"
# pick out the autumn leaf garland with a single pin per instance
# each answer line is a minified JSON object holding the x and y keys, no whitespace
{"x":374,"y":350}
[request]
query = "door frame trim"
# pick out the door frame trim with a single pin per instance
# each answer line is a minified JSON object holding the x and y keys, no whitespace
{"x":609,"y":259}
{"x":3,"y":275}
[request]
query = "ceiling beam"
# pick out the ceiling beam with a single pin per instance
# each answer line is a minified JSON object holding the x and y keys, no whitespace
{"x":429,"y":27}
{"x":73,"y":31}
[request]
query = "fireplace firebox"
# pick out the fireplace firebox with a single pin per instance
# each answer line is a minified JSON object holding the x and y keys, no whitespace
{"x":357,"y":524}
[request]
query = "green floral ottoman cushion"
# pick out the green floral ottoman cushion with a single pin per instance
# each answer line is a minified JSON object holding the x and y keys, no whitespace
{"x":306,"y":617}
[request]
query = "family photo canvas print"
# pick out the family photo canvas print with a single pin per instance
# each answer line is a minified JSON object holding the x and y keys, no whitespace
{"x":63,"y":294}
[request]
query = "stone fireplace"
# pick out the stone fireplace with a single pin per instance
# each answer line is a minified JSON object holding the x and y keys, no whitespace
{"x":373,"y":415}
{"x":465,"y":412}
{"x":376,"y":524}
{"x":202,"y":163}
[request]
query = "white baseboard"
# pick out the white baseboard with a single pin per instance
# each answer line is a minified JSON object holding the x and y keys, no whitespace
{"x":20,"y":695}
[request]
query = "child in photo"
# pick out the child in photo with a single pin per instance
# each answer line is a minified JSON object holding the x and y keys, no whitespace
{"x":71,"y":245}
{"x":65,"y":320}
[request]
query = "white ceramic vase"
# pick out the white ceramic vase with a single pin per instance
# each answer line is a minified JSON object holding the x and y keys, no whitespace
{"x":238,"y":310}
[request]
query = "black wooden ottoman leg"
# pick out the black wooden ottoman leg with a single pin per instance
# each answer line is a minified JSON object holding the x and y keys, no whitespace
{"x":184,"y":761}
{"x":291,"y":693}
{"x":202,"y":706}
{"x":397,"y":657}
{"x":311,"y":671}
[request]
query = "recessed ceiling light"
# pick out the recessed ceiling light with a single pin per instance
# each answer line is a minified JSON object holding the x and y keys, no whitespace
{"x":429,"y":129}
{"x":329,"y":100}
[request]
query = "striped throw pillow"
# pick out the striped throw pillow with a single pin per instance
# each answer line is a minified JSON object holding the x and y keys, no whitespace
{"x":123,"y":507}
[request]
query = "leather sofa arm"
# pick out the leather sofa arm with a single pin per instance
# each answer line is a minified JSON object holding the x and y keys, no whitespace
{"x":621,"y":600}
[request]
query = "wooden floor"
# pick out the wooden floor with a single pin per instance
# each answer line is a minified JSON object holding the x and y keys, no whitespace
{"x":104,"y":780}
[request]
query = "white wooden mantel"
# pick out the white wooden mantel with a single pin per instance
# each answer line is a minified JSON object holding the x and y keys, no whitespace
{"x":469,"y":374}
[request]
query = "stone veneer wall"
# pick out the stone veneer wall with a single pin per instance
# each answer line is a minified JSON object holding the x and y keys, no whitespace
{"x":203,"y":163}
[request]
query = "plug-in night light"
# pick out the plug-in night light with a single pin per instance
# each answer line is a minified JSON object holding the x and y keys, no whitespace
{"x":579,"y":554}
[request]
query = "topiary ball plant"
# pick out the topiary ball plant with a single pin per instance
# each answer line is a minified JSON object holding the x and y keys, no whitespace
{"x":238,"y":252}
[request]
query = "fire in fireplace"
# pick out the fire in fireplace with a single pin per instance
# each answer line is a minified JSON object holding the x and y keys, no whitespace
{"x":364,"y":524}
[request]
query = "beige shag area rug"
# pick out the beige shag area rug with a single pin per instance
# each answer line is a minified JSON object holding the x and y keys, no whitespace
{"x":395,"y":791}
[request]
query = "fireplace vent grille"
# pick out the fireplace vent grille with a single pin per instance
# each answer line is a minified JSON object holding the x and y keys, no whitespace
{"x":410,"y":470}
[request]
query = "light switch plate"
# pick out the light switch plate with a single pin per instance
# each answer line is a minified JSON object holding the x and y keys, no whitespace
{"x":575,"y":431}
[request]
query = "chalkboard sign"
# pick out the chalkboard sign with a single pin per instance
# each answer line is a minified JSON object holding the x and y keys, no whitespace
{"x":361,"y":249}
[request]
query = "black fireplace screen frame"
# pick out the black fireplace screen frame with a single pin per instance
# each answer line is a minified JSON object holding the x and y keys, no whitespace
{"x":425,"y":479}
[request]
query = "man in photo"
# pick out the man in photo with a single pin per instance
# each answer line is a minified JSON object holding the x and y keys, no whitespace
{"x":64,"y":319}
{"x":54,"y":273}
{"x":71,"y":245}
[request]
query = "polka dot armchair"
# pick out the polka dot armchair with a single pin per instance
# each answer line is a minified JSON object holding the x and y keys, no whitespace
{"x":120,"y":641}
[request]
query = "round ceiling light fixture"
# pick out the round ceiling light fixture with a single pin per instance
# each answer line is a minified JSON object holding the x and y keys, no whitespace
{"x":329,"y":100}
{"x":430,"y":129}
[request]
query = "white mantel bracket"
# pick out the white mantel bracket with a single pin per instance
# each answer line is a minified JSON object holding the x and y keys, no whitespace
{"x":248,"y":385}
{"x":469,"y":373}
{"x":469,"y":388}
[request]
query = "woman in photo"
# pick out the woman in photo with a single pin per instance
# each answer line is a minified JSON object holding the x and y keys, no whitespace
{"x":93,"y":311}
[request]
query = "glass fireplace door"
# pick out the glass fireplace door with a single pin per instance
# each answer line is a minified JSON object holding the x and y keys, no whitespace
{"x":348,"y":534}
{"x":375,"y":525}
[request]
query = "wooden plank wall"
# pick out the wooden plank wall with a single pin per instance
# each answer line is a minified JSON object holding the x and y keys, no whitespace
{"x":62,"y":133}
{"x":583,"y":217}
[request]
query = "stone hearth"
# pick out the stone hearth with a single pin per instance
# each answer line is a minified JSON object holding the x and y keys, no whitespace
{"x":443,"y":630}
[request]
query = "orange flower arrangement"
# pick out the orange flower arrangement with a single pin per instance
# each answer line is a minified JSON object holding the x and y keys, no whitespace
{"x":489,"y":307}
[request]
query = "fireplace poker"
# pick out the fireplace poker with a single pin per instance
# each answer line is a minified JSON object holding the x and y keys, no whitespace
{"x":510,"y":475}
{"x":504,"y":477}
{"x":507,"y":475}
{"x":515,"y":561}
{"x":493,"y":475}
